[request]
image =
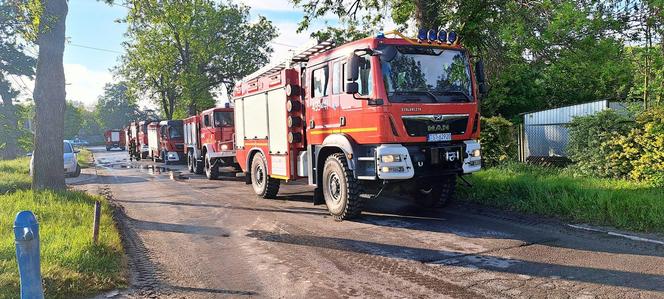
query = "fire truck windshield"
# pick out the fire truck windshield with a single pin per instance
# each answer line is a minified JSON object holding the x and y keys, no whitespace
{"x":425,"y":74}
{"x":175,"y":132}
{"x":223,"y":119}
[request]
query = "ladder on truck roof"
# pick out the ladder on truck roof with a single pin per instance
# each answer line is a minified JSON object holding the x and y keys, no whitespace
{"x":302,"y":54}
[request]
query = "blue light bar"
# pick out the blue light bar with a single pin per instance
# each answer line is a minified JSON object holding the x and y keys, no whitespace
{"x":422,"y":34}
{"x":452,"y":37}
{"x":442,"y":36}
{"x":432,"y":35}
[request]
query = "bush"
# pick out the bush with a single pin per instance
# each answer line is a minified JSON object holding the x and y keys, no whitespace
{"x":596,"y":144}
{"x":648,"y":147}
{"x":498,"y":141}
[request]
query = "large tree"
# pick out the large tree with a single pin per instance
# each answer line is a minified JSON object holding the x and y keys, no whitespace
{"x":180,"y":52}
{"x":13,"y":62}
{"x":49,"y":93}
{"x":115,"y":108}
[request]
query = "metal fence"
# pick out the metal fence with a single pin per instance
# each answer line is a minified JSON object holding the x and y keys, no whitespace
{"x":543,"y":136}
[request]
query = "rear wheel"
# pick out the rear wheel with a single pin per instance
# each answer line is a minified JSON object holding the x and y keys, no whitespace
{"x":264,"y":185}
{"x":77,"y":172}
{"x":340,"y":189}
{"x":211,"y":169}
{"x":437,"y":193}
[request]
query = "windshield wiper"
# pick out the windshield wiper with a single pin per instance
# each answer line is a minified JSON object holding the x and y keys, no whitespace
{"x":457,"y":92}
{"x":426,"y":92}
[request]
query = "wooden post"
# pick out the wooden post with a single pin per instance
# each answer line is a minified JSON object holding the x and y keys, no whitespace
{"x":95,"y":222}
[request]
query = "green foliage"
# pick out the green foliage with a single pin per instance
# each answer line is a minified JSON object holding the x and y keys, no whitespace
{"x":14,"y":175}
{"x":498,"y":141}
{"x":73,"y":120}
{"x":594,"y":146}
{"x":647,"y":147}
{"x":552,"y":192}
{"x":115,"y":108}
{"x":179,"y":52}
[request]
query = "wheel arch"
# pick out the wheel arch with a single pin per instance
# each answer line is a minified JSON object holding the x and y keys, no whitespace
{"x":332,"y":144}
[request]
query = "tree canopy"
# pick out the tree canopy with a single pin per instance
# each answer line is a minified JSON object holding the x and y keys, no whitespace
{"x":539,"y":54}
{"x":179,"y":53}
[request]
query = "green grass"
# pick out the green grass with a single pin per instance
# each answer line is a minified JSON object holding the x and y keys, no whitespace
{"x":72,"y":266}
{"x":14,"y":175}
{"x":556,"y":192}
{"x":84,"y":158}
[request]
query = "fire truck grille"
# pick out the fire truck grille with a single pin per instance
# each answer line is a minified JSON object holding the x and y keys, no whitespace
{"x":421,"y":125}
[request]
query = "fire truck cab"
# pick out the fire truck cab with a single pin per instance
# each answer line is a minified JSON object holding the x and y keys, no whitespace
{"x":209,"y":138}
{"x":374,"y":113}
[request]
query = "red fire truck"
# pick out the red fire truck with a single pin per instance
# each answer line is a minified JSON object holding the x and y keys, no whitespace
{"x":354,"y":119}
{"x":208,"y":139}
{"x":138,"y":140}
{"x":114,"y":139}
{"x":165,"y":141}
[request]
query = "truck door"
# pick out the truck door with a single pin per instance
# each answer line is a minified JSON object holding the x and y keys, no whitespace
{"x":324,"y":109}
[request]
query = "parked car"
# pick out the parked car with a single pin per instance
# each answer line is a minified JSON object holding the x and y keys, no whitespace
{"x":71,"y":167}
{"x":79,"y":142}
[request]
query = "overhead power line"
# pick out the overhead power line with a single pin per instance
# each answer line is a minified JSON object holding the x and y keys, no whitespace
{"x":95,"y":48}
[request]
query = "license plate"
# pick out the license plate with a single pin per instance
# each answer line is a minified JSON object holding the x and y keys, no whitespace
{"x":439,"y":137}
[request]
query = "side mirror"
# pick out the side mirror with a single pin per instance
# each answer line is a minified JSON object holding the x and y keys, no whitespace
{"x":353,"y":68}
{"x":352,"y":87}
{"x":77,"y":151}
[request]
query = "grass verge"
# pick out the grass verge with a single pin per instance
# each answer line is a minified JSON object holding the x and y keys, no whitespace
{"x":85,"y":158}
{"x":72,"y":266}
{"x":557,"y":193}
{"x":14,"y":175}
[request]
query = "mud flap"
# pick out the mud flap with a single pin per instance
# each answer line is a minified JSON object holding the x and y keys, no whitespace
{"x":247,"y":178}
{"x":319,"y":199}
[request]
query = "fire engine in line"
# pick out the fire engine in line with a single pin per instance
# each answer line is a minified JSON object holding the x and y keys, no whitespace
{"x":138,"y":140}
{"x":353,"y":119}
{"x":165,"y":141}
{"x":208,"y":139}
{"x":114,"y":139}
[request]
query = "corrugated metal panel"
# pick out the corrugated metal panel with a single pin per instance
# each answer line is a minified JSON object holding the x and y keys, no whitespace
{"x":563,"y":115}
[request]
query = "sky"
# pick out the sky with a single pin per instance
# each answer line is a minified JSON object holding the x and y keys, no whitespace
{"x":94,"y":43}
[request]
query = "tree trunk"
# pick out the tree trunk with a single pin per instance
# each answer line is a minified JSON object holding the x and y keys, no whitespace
{"x":49,"y":95}
{"x":426,"y":13}
{"x":9,"y":111}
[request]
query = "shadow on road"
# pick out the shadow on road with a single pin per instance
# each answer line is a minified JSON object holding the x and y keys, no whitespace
{"x":642,"y":281}
{"x":178,"y":228}
{"x":213,"y":291}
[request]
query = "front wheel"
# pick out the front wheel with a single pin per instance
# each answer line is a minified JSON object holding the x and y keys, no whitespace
{"x":264,"y":185}
{"x":341,"y":189}
{"x":211,"y":169}
{"x":77,"y":172}
{"x":190,"y":162}
{"x":434,"y":194}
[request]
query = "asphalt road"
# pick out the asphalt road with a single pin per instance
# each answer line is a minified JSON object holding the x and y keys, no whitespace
{"x":188,"y":237}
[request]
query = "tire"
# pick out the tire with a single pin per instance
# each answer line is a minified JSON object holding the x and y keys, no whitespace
{"x":164,"y":158}
{"x":108,"y":149}
{"x":263,"y":184}
{"x":436,"y":194}
{"x":144,"y":155}
{"x":341,"y":189}
{"x":77,"y":173}
{"x":212,"y":173}
{"x":190,"y":162}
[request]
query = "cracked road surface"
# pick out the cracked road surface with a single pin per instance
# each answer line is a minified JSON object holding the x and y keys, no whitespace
{"x":188,"y":237}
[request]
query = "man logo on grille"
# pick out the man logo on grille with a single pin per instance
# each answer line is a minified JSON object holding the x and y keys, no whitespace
{"x":438,"y":118}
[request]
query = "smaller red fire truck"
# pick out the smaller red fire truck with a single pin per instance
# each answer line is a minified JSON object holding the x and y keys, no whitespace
{"x":114,"y":139}
{"x":209,"y":141}
{"x":165,"y":141}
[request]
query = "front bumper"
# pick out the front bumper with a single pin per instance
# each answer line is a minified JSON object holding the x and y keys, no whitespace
{"x":174,"y":156}
{"x":145,"y":148}
{"x":70,"y":167}
{"x":420,"y":160}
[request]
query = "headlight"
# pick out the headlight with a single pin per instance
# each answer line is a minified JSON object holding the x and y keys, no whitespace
{"x":475,"y":153}
{"x":390,"y":158}
{"x":224,"y":147}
